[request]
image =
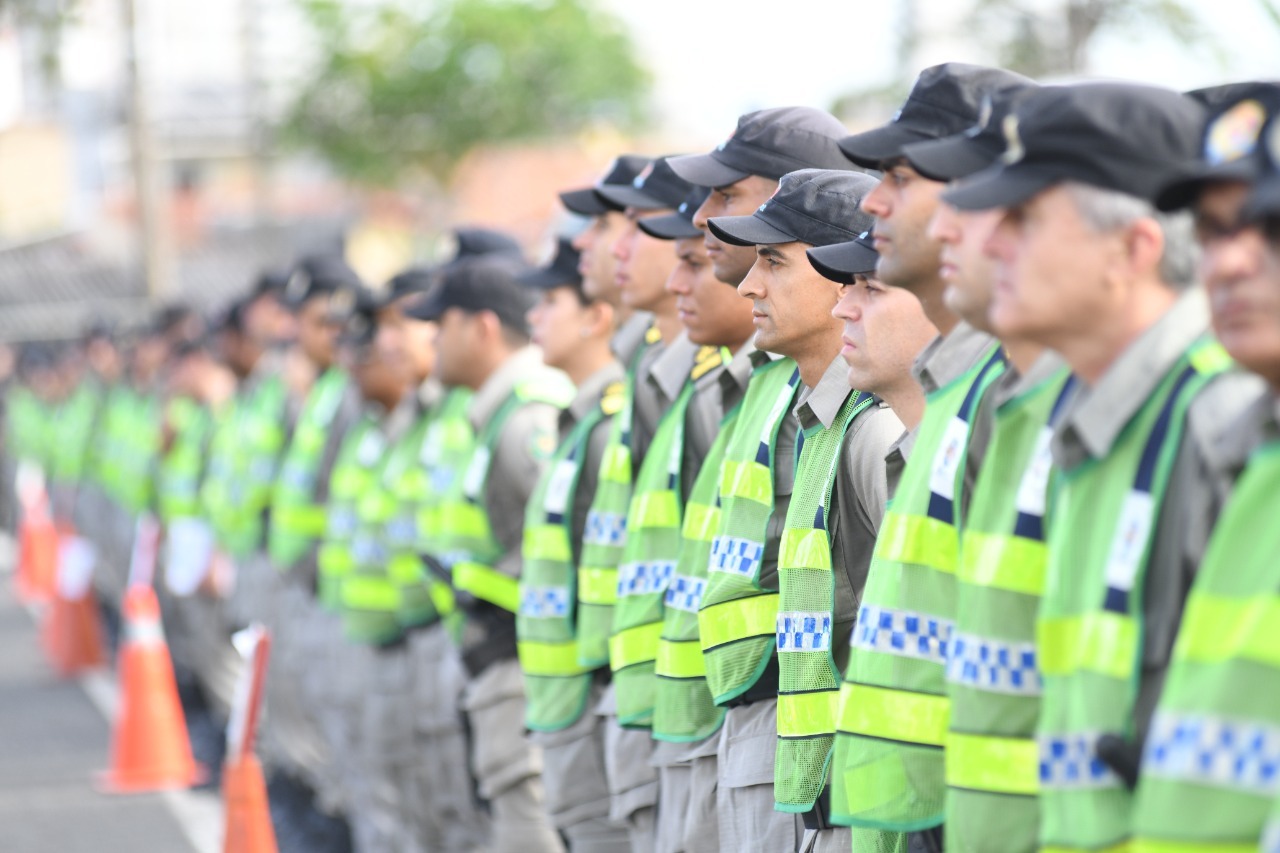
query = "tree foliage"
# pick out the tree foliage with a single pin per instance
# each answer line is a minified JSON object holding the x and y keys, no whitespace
{"x":404,"y":89}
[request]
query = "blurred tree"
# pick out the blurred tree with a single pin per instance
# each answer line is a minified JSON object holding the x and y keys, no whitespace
{"x":404,"y":89}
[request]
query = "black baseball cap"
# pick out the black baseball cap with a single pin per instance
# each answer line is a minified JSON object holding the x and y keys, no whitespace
{"x":769,"y":143}
{"x":842,"y":261}
{"x":1264,"y":201}
{"x":1119,"y":136}
{"x":269,"y":283}
{"x":1229,"y":149}
{"x":622,"y":171}
{"x":480,"y":284}
{"x":317,"y":275}
{"x":678,"y":225}
{"x":944,"y":101}
{"x":1223,"y":95}
{"x":474,"y":242}
{"x":657,"y":187}
{"x":814,"y":206}
{"x":560,"y":271}
{"x":408,"y":282}
{"x":360,"y":322}
{"x":979,"y":146}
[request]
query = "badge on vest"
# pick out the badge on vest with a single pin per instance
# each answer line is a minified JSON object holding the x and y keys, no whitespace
{"x":1032,"y":491}
{"x":477,"y":473}
{"x":1130,"y":540}
{"x":947,"y":461}
{"x":557,"y":498}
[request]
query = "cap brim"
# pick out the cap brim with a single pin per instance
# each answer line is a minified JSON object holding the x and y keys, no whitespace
{"x":842,"y":261}
{"x":747,"y":231}
{"x":873,"y":148}
{"x":704,"y":170}
{"x":1264,"y":201}
{"x":999,"y":186}
{"x":1184,"y":191}
{"x":548,"y":279}
{"x":670,"y":226}
{"x":584,"y":202}
{"x":431,"y":306}
{"x":624,"y":196}
{"x":947,"y":159}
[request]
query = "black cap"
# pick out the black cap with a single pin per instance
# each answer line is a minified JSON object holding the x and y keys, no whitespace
{"x":655,"y":188}
{"x":769,"y":143}
{"x":270,"y":283}
{"x":360,"y":323}
{"x":1229,"y":149}
{"x":842,"y":261}
{"x":475,"y":242}
{"x":1223,"y":95}
{"x":560,"y":271}
{"x":945,"y":100}
{"x":1118,"y":136}
{"x":814,"y":206}
{"x":622,"y":171}
{"x":481,"y":284}
{"x":678,"y":225}
{"x":408,"y":282}
{"x":977,"y":147}
{"x":1264,"y":201}
{"x":317,"y":275}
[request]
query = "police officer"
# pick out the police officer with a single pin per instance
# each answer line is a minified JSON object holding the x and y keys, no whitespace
{"x":1108,"y":282}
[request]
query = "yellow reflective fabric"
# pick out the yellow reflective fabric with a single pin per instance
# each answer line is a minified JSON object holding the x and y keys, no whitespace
{"x":442,"y":597}
{"x":748,"y":480}
{"x":616,"y":464}
{"x":550,"y":659}
{"x":737,"y":618}
{"x":681,"y":659}
{"x":634,"y":645}
{"x":1000,"y":561}
{"x":367,"y":592}
{"x":1149,"y":846}
{"x":303,"y":519}
{"x":654,"y":509}
{"x":1003,"y":764}
{"x":1216,"y":629}
{"x":803,"y":548}
{"x":807,"y":714}
{"x":1102,"y":642}
{"x":597,"y":586}
{"x":895,"y":715}
{"x":547,"y":542}
{"x":920,"y":540}
{"x":463,"y":519}
{"x":488,"y":584}
{"x":1122,"y":847}
{"x":700,"y":522}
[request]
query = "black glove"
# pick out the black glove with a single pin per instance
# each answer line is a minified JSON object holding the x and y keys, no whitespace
{"x":1122,"y":756}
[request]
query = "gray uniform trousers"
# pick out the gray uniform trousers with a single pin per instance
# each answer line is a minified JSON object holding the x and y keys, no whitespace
{"x":744,"y":800}
{"x":633,"y":783}
{"x":382,"y":750}
{"x":334,"y":685}
{"x":686,"y":819}
{"x":292,"y":721}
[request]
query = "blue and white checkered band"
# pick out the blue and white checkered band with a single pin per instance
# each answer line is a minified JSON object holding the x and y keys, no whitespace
{"x":804,"y":632}
{"x":367,"y":549}
{"x":1071,"y":761}
{"x":1239,"y":754}
{"x":1271,"y":837}
{"x":903,"y":633}
{"x":341,"y":521}
{"x":644,"y":578}
{"x":544,"y":602}
{"x":999,"y":667}
{"x":298,"y":477}
{"x":685,"y":593}
{"x":442,"y":478}
{"x":605,"y":528}
{"x":735,"y":556}
{"x":402,"y":530}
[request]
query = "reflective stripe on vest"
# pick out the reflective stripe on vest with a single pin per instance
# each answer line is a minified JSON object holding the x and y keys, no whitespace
{"x":808,"y":681}
{"x":1090,"y":615}
{"x":738,"y":615}
{"x":887,"y":771}
{"x":352,"y":472}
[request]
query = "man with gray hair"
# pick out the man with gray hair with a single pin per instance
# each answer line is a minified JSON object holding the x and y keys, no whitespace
{"x":1086,"y":266}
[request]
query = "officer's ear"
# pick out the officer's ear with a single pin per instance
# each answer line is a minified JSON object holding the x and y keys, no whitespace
{"x":599,"y":319}
{"x":487,"y":326}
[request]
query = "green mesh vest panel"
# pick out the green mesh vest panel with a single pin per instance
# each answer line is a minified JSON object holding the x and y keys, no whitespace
{"x":296,"y":520}
{"x":178,"y":484}
{"x":556,"y":685}
{"x":992,"y":676}
{"x":1090,"y":625}
{"x":808,"y":681}
{"x":684,"y":710}
{"x":738,"y":617}
{"x":139,"y":448}
{"x":887,"y":770}
{"x":1211,"y":765}
{"x":73,"y":432}
{"x":648,"y":562}
{"x":352,"y":473}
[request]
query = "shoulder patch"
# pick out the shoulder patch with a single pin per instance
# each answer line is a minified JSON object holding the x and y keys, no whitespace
{"x":652,"y":335}
{"x":707,"y":360}
{"x":542,"y":445}
{"x":614,"y":398}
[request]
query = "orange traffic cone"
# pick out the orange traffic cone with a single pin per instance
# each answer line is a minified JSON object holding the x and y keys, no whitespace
{"x":72,"y":631}
{"x":37,"y":555}
{"x":248,"y":818}
{"x":150,"y":749}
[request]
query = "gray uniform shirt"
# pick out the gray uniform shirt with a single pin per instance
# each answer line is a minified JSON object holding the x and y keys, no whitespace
{"x":860,"y":493}
{"x":665,"y":379}
{"x":586,"y":401}
{"x":630,"y":336}
{"x":1089,"y":429}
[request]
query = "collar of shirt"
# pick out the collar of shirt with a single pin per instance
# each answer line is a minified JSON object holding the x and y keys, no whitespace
{"x":495,"y":390}
{"x":397,"y":421}
{"x":1095,"y":416}
{"x":588,"y":395}
{"x":1011,"y":384}
{"x":822,"y":403}
{"x":629,"y":337}
{"x":948,"y":357}
{"x":429,"y":394}
{"x":670,"y":370}
{"x":1256,"y":425}
{"x":737,"y":373}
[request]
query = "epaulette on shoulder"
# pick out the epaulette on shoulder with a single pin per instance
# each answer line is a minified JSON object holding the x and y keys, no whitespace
{"x":652,"y":335}
{"x":707,"y":360}
{"x":613,"y":398}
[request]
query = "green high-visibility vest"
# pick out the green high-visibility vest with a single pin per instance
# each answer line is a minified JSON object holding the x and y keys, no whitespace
{"x":1089,"y":632}
{"x":606,"y":528}
{"x":684,"y":710}
{"x":112,"y":452}
{"x":140,"y":449}
{"x":556,"y":685}
{"x":23,"y":418}
{"x":74,"y":431}
{"x":353,"y":473}
{"x":738,"y":614}
{"x":887,"y":770}
{"x":1211,"y":764}
{"x":297,"y":521}
{"x":992,"y":676}
{"x":808,"y":681}
{"x":178,"y":481}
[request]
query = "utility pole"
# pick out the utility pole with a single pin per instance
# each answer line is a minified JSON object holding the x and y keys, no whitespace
{"x":255,"y":112}
{"x":150,"y":181}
